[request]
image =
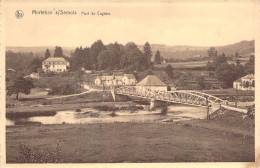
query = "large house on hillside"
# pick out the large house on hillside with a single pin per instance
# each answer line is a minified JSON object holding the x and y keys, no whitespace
{"x":112,"y":80}
{"x":55,"y":64}
{"x":245,"y":83}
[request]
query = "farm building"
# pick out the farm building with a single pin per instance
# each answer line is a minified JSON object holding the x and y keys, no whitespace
{"x":55,"y":64}
{"x":126,"y":79}
{"x":151,"y":83}
{"x":245,"y":83}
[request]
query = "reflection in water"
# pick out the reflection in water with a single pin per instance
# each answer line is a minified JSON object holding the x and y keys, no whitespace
{"x":88,"y":115}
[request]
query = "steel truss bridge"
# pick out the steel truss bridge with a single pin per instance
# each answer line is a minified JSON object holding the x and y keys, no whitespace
{"x":188,"y":97}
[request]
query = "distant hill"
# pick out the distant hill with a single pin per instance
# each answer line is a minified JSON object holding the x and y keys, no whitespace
{"x":242,"y":47}
{"x":176,"y":52}
{"x":40,"y":51}
{"x":185,"y":52}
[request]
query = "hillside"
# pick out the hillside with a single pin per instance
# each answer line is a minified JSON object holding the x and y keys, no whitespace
{"x":176,"y":52}
{"x":185,"y":52}
{"x":242,"y":47}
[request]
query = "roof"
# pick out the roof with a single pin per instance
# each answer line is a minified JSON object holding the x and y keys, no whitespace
{"x":53,"y":59}
{"x":129,"y":76}
{"x":249,"y":76}
{"x":151,"y":80}
{"x":238,"y":80}
{"x":118,"y":77}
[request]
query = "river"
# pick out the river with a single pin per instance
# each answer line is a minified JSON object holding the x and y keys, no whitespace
{"x":90,"y":116}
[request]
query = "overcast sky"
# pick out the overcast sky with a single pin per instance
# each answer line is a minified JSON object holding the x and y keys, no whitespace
{"x":200,"y":24}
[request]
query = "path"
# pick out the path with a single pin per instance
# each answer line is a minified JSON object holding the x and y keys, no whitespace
{"x":72,"y":95}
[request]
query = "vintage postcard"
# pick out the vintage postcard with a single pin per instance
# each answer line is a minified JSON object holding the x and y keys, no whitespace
{"x":129,"y":84}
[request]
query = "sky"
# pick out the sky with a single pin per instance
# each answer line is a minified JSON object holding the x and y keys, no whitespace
{"x":175,"y":23}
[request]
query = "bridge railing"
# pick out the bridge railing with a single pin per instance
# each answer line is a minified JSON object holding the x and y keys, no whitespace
{"x":170,"y":96}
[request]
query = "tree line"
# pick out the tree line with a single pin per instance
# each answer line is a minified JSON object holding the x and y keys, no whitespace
{"x":113,"y":56}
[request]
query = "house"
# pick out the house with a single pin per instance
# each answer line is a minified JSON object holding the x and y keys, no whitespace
{"x":151,"y":83}
{"x":245,"y":83}
{"x":113,"y":80}
{"x":33,"y":76}
{"x":109,"y":80}
{"x":55,"y":64}
{"x":129,"y":79}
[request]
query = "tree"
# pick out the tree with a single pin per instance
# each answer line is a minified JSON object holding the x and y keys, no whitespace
{"x":212,"y":52}
{"x":236,"y":55}
{"x":131,"y":57}
{"x":79,"y":78}
{"x":77,"y":59}
{"x":226,"y":74}
{"x":58,"y":52}
{"x":34,"y":64}
{"x":103,"y":59}
{"x":146,"y":61}
{"x":96,"y":48}
{"x":250,"y":65}
{"x":115,"y":52}
{"x":201,"y":82}
{"x":169,"y":71}
{"x":20,"y":85}
{"x":47,"y":54}
{"x":217,"y":60}
{"x":220,"y":59}
{"x":157,"y":58}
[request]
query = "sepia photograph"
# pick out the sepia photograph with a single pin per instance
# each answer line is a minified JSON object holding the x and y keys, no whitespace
{"x":128,"y":82}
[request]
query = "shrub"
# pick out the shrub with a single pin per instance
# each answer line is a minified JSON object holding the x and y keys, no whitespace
{"x":187,"y":125}
{"x":63,"y":89}
{"x":107,"y":108}
{"x":113,"y":114}
{"x":46,"y":103}
{"x":251,"y":112}
{"x":78,"y":110}
{"x":27,"y":156}
{"x":164,"y":110}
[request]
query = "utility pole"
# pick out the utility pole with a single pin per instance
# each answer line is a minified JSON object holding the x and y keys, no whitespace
{"x":208,"y":106}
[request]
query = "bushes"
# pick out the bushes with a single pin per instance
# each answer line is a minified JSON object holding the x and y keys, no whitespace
{"x":106,"y":108}
{"x":113,"y":114}
{"x":46,"y":103}
{"x":63,"y":89}
{"x":251,"y":112}
{"x":164,"y":110}
{"x":60,"y":84}
{"x":27,"y":156}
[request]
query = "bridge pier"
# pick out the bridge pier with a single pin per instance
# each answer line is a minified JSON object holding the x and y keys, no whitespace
{"x":157,"y":103}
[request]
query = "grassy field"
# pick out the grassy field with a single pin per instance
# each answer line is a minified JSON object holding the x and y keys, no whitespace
{"x":192,"y":64}
{"x":133,"y":142}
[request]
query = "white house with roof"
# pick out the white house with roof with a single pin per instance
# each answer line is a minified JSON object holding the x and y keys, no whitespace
{"x":245,"y":83}
{"x":55,"y":64}
{"x":129,"y":79}
{"x":113,"y":80}
{"x":151,"y":83}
